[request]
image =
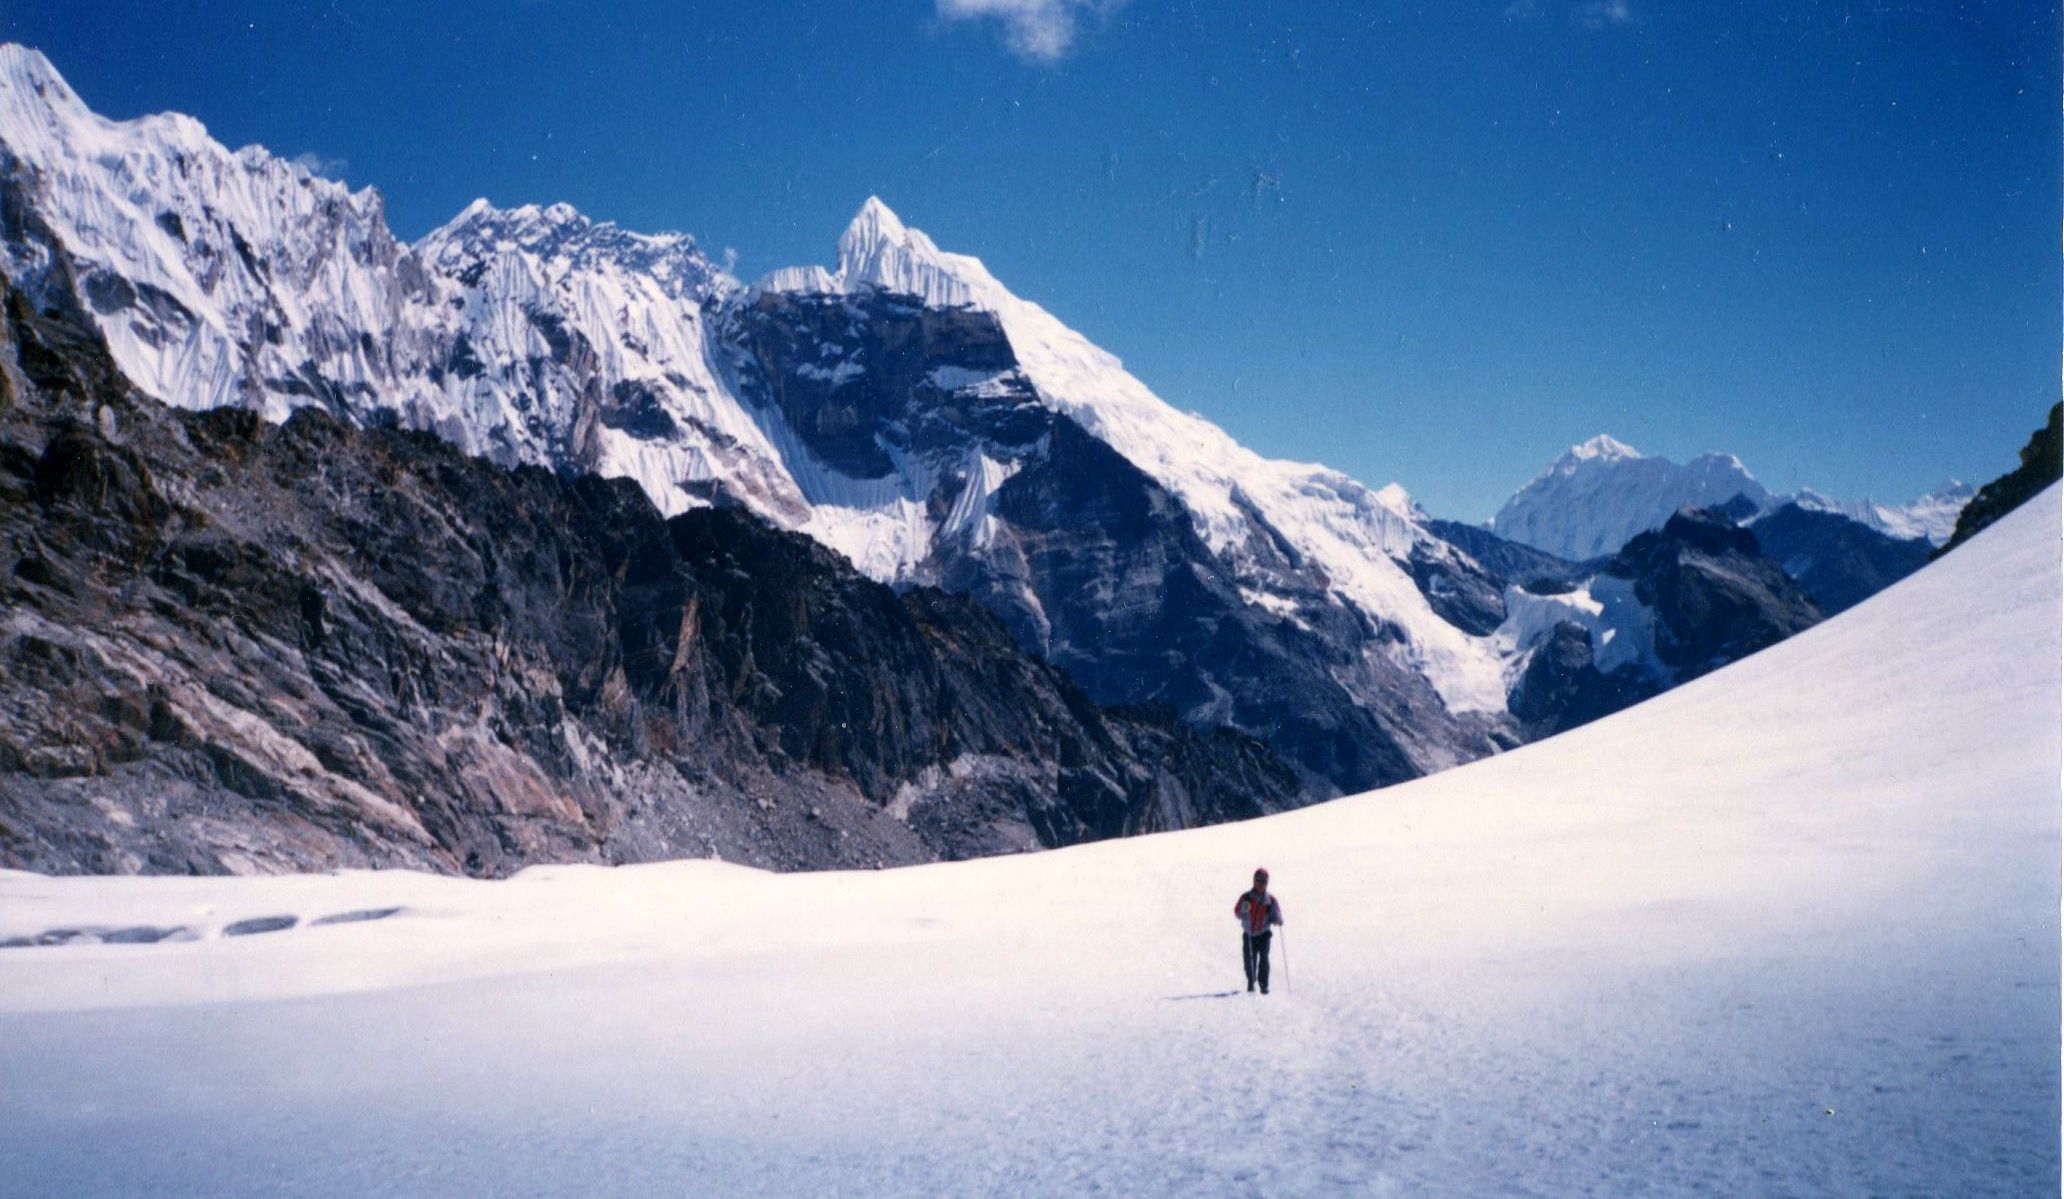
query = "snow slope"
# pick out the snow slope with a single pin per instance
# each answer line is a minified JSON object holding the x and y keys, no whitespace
{"x":219,"y":277}
{"x":1791,"y":929}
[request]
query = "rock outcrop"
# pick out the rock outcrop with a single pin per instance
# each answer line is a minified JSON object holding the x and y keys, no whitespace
{"x":1672,"y":605}
{"x":2042,"y":463}
{"x":1839,"y":561}
{"x":231,"y":645}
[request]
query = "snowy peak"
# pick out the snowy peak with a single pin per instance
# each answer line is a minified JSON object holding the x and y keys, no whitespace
{"x":45,"y":123}
{"x":528,"y":225}
{"x":874,"y":224}
{"x":24,"y":71}
{"x":218,"y":277}
{"x":1598,"y":495}
{"x":1395,"y":498}
{"x":879,"y":250}
{"x":1932,"y":517}
{"x":31,"y":88}
{"x":1602,"y":448}
{"x":562,"y":340}
{"x":559,"y":234}
{"x":1715,"y":460}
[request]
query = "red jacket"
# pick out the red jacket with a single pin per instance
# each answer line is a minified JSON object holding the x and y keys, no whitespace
{"x":1256,"y":918}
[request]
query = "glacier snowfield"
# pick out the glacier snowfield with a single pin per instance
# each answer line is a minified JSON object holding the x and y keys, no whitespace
{"x":1789,"y":930}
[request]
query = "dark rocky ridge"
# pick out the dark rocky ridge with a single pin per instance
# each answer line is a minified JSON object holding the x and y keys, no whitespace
{"x":1562,"y":687}
{"x":2042,"y":463}
{"x":227,"y":646}
{"x":1512,"y":561}
{"x":1838,"y":561}
{"x":1136,"y":606}
{"x":1093,"y":565}
{"x":1715,"y":598}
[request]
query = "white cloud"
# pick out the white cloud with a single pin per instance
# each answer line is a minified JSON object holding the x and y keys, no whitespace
{"x":321,"y":166}
{"x":1035,"y":30}
{"x":1591,"y":14}
{"x":1597,"y":14}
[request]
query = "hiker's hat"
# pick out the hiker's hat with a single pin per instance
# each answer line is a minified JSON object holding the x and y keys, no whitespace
{"x":1261,"y":874}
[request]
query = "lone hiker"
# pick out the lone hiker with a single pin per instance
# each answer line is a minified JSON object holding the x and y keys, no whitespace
{"x":1258,"y":912}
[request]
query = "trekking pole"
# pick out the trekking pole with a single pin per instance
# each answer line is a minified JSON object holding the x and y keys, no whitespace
{"x":1286,"y":958}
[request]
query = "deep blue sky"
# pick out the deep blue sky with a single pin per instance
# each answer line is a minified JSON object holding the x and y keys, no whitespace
{"x":1432,"y":244}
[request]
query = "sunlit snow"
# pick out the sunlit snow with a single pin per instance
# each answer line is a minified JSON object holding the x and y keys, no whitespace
{"x":1791,"y":929}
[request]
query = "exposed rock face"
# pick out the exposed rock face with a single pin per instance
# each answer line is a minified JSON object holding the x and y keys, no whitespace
{"x":1674,"y":604}
{"x":1133,"y":604}
{"x":1563,"y":688}
{"x":1510,"y":561}
{"x":232,"y":645}
{"x":2042,"y":463}
{"x":1840,"y":562}
{"x":1093,"y":564}
{"x":906,"y":410}
{"x":1716,"y":598}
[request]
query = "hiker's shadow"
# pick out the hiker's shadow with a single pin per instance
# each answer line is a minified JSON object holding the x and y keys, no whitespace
{"x":1202,"y":995}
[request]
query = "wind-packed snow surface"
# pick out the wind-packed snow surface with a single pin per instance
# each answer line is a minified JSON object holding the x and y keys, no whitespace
{"x":1791,"y":929}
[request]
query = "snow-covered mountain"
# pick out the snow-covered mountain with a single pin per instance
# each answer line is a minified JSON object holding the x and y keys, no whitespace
{"x":217,"y":277}
{"x":238,"y":278}
{"x":1595,"y":497}
{"x":1674,"y":604}
{"x":1932,"y":517}
{"x":903,"y":407}
{"x":1790,"y":929}
{"x":1713,"y":578}
{"x":1233,"y":494}
{"x":1273,"y":521}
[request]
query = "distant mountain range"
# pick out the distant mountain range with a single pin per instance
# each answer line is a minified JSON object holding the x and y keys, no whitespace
{"x":1599,"y":495}
{"x":229,"y":645}
{"x":902,"y":409}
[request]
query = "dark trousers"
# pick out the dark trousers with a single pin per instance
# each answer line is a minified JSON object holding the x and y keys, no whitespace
{"x":1254,"y":956}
